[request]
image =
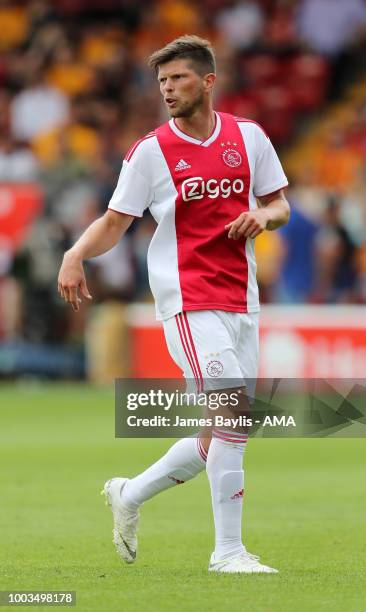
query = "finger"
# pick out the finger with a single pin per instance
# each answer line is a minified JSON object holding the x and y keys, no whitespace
{"x":255,"y":233}
{"x":84,"y":289}
{"x":235,"y":228}
{"x":249,"y":229}
{"x":71,"y":297}
{"x":73,"y":294}
{"x":74,"y":298}
{"x":62,"y":293}
{"x":243,"y":228}
{"x":75,"y":304}
{"x":65,"y":291}
{"x":233,"y":225}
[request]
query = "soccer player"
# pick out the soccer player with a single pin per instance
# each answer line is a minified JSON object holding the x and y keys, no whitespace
{"x":212,"y":182}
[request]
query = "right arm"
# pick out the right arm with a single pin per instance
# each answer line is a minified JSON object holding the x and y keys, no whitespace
{"x":133,"y":194}
{"x":98,"y":238}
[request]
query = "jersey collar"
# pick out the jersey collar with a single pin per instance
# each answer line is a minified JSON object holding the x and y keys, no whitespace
{"x":202,"y":143}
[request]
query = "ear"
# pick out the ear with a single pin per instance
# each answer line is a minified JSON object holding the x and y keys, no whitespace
{"x":209,"y":81}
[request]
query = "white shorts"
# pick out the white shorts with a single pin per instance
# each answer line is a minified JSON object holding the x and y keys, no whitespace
{"x":215,"y":349}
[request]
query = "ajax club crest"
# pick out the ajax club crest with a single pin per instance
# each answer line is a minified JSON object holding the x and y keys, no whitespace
{"x":231,"y":157}
{"x":215,"y":368}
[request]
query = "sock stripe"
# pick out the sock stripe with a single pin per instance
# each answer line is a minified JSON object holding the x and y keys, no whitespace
{"x":225,"y":437}
{"x":230,"y":436}
{"x":186,"y":348}
{"x":229,"y":433}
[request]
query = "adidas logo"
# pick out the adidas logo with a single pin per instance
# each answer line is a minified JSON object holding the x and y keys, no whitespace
{"x":182,"y":165}
{"x":238,"y":495}
{"x":178,"y":482}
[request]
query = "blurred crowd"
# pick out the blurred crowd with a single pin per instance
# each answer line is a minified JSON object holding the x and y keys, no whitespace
{"x":75,"y":93}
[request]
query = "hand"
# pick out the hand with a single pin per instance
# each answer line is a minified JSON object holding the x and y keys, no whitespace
{"x":248,"y":225}
{"x":71,"y":278}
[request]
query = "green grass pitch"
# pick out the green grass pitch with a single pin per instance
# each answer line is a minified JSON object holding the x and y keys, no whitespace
{"x":304,"y":513}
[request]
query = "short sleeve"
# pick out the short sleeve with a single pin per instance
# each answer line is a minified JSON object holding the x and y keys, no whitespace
{"x":133,"y":193}
{"x":268,"y":174}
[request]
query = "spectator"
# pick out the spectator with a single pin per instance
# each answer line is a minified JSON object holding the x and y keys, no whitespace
{"x":241,"y":24}
{"x":76,"y":92}
{"x":336,"y":252}
{"x":77,"y":135}
{"x":13,"y":25}
{"x":336,"y":164}
{"x":297,"y":277}
{"x":17,"y":162}
{"x":328,"y":26}
{"x":67,"y":73}
{"x":37,"y":108}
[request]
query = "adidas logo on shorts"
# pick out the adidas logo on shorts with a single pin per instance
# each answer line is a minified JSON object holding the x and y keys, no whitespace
{"x":182,"y":165}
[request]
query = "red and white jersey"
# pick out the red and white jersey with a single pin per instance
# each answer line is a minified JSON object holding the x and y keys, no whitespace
{"x":193,"y":189}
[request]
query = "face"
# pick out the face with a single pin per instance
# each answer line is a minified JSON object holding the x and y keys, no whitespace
{"x":182,"y":88}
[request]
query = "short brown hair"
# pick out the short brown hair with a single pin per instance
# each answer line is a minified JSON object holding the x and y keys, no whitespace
{"x":190,"y":47}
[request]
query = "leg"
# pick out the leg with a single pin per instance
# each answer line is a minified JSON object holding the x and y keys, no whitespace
{"x":217,"y":334}
{"x":183,"y":461}
{"x":226,"y":476}
{"x":187,"y":457}
{"x":224,"y":466}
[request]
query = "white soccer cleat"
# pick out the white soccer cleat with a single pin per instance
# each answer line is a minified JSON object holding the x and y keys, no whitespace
{"x":245,"y":563}
{"x":125,"y":520}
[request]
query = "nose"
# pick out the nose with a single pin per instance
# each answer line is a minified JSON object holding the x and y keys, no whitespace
{"x":168,"y":86}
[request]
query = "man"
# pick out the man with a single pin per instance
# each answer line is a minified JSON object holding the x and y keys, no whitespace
{"x":201,"y":174}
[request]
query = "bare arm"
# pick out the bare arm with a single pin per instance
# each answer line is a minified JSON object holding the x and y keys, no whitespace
{"x":273,"y":211}
{"x":98,"y":238}
{"x":277,"y":207}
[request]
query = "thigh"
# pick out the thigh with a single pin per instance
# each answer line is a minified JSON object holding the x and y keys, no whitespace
{"x":248,"y":350}
{"x":202,"y":344}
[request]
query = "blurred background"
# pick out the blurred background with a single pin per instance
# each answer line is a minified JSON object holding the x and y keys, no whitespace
{"x":75,"y":93}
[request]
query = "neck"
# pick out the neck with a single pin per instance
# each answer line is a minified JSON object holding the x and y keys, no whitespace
{"x":200,"y":125}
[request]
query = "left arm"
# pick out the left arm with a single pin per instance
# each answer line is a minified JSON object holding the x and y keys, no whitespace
{"x":273,"y":211}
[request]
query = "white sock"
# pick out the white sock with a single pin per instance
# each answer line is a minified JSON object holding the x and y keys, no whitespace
{"x":225,"y":473}
{"x":183,"y":461}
